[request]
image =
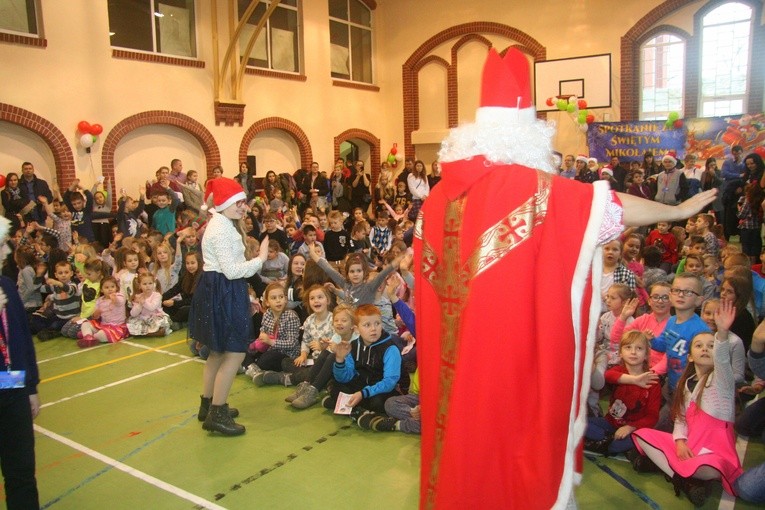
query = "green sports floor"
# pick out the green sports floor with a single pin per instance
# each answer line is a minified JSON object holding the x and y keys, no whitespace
{"x":118,"y":430}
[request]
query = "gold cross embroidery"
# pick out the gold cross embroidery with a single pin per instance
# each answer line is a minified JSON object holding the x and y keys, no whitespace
{"x":450,"y":279}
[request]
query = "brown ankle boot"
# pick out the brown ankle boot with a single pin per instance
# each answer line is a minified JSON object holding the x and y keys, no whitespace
{"x":218,"y":419}
{"x":204,"y":408}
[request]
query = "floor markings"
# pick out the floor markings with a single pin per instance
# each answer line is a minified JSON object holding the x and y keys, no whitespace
{"x":116,"y":383}
{"x":110,"y":362}
{"x":622,"y":481}
{"x":170,"y":353}
{"x":289,"y":458}
{"x":80,"y":351}
{"x":145,"y":477}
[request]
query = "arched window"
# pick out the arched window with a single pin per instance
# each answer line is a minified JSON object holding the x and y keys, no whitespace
{"x":350,"y":37}
{"x":725,"y":50}
{"x":278,"y":45}
{"x":662,"y":68}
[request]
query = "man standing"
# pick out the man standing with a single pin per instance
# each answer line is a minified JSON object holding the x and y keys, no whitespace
{"x":33,"y":188}
{"x":568,"y":171}
{"x":490,"y":233}
{"x":176,"y":172}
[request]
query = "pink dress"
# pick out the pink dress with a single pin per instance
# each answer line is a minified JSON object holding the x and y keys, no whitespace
{"x":710,"y":438}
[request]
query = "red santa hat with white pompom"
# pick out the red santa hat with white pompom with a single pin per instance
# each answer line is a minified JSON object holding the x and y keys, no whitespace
{"x":222,"y":193}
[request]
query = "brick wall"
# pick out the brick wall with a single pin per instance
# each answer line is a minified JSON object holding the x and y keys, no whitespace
{"x":369,"y":138}
{"x":462,"y":33}
{"x":113,"y":138}
{"x":304,"y":146}
{"x":53,"y":137}
{"x":642,"y":31}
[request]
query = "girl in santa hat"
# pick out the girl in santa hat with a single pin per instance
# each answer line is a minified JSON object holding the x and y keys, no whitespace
{"x":220,"y":309}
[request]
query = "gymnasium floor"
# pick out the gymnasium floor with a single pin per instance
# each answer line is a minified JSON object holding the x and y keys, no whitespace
{"x":118,"y":430}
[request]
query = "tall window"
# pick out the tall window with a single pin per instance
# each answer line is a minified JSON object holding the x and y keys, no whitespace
{"x":19,"y":16}
{"x":662,"y":67}
{"x":350,"y":37}
{"x":157,"y":26}
{"x":278,"y":45}
{"x":726,"y":36}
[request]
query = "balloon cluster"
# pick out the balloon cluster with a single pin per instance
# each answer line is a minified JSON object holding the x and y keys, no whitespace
{"x":394,"y":157}
{"x":574,"y":106}
{"x":673,"y":121}
{"x":89,"y":133}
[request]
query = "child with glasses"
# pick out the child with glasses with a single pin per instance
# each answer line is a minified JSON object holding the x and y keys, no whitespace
{"x":685,"y":296}
{"x":652,"y":323}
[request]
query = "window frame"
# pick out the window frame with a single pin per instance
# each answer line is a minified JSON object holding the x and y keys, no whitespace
{"x":701,"y":98}
{"x":648,"y":38}
{"x":152,"y":5}
{"x":371,"y":28}
{"x":267,"y":29}
{"x":38,"y":23}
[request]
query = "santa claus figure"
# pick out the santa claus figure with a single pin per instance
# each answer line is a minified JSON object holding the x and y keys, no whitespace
{"x":508,"y":296}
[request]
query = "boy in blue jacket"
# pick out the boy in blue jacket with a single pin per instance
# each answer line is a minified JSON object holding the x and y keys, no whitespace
{"x":368,"y":368}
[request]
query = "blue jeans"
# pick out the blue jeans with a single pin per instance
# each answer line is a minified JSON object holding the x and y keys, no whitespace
{"x":751,"y":485}
{"x":598,"y":428}
{"x":399,"y":407}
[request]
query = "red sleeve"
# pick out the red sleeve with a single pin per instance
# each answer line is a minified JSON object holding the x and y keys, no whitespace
{"x":613,"y":374}
{"x":673,"y":248}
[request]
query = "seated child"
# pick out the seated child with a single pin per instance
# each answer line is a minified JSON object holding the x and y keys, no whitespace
{"x":146,"y":316}
{"x":634,"y":403}
{"x":107,"y":324}
{"x":368,"y":368}
{"x":66,"y":303}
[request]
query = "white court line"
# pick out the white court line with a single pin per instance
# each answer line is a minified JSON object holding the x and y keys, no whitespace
{"x":116,"y":383}
{"x":41,"y":361}
{"x":172,"y":489}
{"x":176,"y":354}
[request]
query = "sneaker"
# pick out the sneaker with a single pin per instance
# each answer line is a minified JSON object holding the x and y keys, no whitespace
{"x":300,"y":388}
{"x":307,"y":398}
{"x":175,"y":326}
{"x":377,"y":422}
{"x":271,"y":377}
{"x":251,"y":370}
{"x":328,"y":403}
{"x":87,"y":341}
{"x":260,"y":378}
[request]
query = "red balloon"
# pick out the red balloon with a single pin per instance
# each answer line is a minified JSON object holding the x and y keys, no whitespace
{"x":96,"y":129}
{"x":759,"y":150}
{"x":582,"y":104}
{"x":83,"y":126}
{"x":549,"y":101}
{"x":590,"y":119}
{"x":394,"y":150}
{"x":678,"y":123}
{"x":2,"y":180}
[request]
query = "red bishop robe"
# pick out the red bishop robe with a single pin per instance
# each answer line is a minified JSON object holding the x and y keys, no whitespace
{"x":505,"y":258}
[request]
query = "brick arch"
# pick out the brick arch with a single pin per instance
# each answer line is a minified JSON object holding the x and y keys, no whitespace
{"x":463,"y":33}
{"x":366,"y":136}
{"x":297,"y":134}
{"x":63,"y":156}
{"x":630,"y":57}
{"x":184,"y":122}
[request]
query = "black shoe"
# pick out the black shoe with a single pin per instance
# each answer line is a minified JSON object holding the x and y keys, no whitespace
{"x":600,"y":446}
{"x":48,"y":334}
{"x":219,"y":420}
{"x":204,"y":409}
{"x":643,"y":464}
{"x":695,"y":490}
{"x":328,"y":403}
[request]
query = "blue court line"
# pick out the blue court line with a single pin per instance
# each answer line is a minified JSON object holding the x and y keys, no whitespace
{"x":637,"y":492}
{"x":122,"y":459}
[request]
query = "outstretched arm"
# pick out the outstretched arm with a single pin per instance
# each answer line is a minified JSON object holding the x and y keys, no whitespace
{"x":638,"y":211}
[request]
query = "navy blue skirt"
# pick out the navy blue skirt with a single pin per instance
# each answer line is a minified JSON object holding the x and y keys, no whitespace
{"x":220,"y":315}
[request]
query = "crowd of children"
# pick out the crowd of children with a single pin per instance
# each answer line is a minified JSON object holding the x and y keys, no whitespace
{"x":670,"y":369}
{"x":332,"y":311}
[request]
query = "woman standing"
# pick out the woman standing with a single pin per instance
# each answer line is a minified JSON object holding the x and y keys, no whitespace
{"x":14,"y":201}
{"x":220,"y":309}
{"x":418,"y":187}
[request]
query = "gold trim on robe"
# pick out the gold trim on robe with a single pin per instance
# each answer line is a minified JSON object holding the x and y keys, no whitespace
{"x":450,"y":278}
